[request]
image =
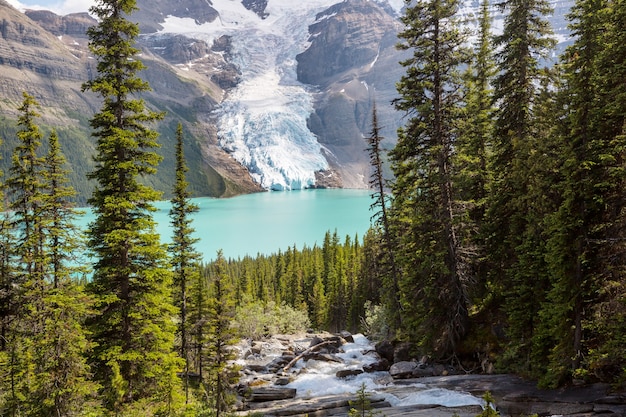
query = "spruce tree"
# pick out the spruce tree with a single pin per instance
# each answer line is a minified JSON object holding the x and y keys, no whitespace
{"x":47,"y":364}
{"x":134,"y":330}
{"x":588,"y":288}
{"x":221,"y":337}
{"x":25,"y":190}
{"x":474,"y":145}
{"x":434,"y":280}
{"x":184,"y":257}
{"x":515,"y":217}
{"x":61,"y":384}
{"x":381,"y":221}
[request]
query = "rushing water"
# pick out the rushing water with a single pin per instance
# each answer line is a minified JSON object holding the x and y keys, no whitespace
{"x":264,"y":223}
{"x":314,"y":379}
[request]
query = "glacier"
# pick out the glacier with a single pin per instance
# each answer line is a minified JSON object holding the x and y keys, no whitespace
{"x":262,"y":122}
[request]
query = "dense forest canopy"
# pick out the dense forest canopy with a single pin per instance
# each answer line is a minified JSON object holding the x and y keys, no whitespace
{"x":501,"y":238}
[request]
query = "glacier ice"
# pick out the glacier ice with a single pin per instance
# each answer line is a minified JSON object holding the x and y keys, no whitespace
{"x":262,"y":122}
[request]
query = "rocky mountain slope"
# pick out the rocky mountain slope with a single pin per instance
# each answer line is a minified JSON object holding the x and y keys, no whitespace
{"x":274,"y":94}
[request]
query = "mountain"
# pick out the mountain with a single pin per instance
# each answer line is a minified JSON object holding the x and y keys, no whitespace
{"x":274,"y":94}
{"x":47,"y":56}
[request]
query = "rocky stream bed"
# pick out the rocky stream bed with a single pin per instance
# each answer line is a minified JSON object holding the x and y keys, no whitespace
{"x":319,"y":374}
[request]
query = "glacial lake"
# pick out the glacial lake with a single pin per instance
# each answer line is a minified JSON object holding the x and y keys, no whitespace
{"x":264,"y":223}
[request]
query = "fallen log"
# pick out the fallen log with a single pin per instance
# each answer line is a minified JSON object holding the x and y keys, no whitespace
{"x":306,"y":352}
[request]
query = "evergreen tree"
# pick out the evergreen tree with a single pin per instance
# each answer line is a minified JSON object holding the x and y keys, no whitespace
{"x":47,"y":344}
{"x":7,"y":289}
{"x":221,"y":337}
{"x":61,"y":384}
{"x":65,"y":240}
{"x":133,"y":330}
{"x":514,"y":215}
{"x":435,"y":275}
{"x":25,"y":190}
{"x":474,"y":145}
{"x":587,"y":291}
{"x":184,"y":257}
{"x":381,"y":221}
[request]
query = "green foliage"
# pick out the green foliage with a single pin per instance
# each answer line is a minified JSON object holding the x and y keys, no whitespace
{"x":489,"y":407}
{"x":376,"y":323}
{"x":256,"y":319}
{"x":134,"y":329}
{"x":362,"y":406}
{"x":222,"y":335}
{"x":427,"y":216}
{"x":184,"y":257}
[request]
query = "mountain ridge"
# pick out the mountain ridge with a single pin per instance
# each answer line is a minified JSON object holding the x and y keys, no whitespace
{"x":272,"y":95}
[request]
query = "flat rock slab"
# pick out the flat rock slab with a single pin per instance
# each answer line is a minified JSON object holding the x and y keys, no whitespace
{"x":321,"y":406}
{"x":264,"y":394}
{"x":515,"y":396}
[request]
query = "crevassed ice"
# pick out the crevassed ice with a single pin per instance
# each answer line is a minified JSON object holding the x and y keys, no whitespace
{"x":263,"y":121}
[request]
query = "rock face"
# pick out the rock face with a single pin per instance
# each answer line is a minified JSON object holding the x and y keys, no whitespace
{"x":353,"y":60}
{"x":152,"y":13}
{"x":46,"y":55}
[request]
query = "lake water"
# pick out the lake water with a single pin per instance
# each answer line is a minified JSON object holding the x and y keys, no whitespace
{"x":264,"y":223}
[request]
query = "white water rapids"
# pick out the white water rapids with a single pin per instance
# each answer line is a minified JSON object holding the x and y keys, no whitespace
{"x":318,"y":379}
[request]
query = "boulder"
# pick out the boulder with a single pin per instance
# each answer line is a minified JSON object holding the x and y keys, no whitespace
{"x":344,"y":373}
{"x":381,"y":365}
{"x":347,"y":336}
{"x":323,"y":357}
{"x":385,"y":350}
{"x":402,"y":352}
{"x":403,"y":370}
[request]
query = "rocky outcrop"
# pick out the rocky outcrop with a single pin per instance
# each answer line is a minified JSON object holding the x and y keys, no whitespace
{"x":152,"y":13}
{"x":75,"y":24}
{"x":257,"y":6}
{"x":346,"y":36}
{"x":514,"y":396}
{"x":353,"y":60}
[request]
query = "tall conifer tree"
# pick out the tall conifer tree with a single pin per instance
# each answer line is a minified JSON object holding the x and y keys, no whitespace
{"x":434,"y":282}
{"x":185,"y":258}
{"x":221,"y":337}
{"x":134,"y":329}
{"x":587,"y":232}
{"x":515,"y":216}
{"x":381,"y":220}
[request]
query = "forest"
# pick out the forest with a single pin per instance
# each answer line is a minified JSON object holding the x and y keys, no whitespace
{"x":499,"y":238}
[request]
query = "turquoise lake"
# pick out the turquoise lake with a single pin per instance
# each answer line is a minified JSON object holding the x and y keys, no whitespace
{"x":264,"y":223}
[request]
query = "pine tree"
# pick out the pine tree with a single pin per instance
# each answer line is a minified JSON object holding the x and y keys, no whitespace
{"x":47,"y":365}
{"x":25,"y":191}
{"x":184,"y":257}
{"x":474,"y":145}
{"x":7,"y":289}
{"x":434,"y":282}
{"x":65,"y":240}
{"x":134,"y":329}
{"x":61,"y":384}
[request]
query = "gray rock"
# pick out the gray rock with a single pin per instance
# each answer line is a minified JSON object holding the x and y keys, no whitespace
{"x":385,"y":350}
{"x":403,"y":370}
{"x":347,"y":336}
{"x":263,"y":394}
{"x":344,"y":373}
